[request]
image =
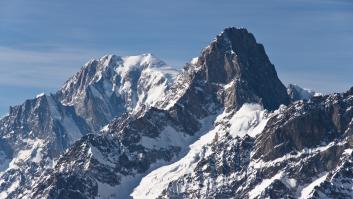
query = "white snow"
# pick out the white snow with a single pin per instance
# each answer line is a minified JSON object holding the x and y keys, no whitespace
{"x":155,"y":182}
{"x":151,"y":75}
{"x":169,"y":136}
{"x":307,"y":191}
{"x":250,"y":119}
{"x":38,"y":155}
{"x":13,"y":187}
{"x":132,"y":62}
{"x":153,"y":84}
{"x":33,"y":153}
{"x":153,"y":81}
{"x":194,"y":60}
{"x":291,"y":182}
{"x":263,"y":185}
{"x":347,"y":151}
{"x":229,"y":85}
{"x":304,"y":93}
{"x":105,"y":128}
{"x":40,"y":95}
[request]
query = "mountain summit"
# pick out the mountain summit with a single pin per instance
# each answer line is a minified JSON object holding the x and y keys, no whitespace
{"x":236,"y":56}
{"x":113,"y":85}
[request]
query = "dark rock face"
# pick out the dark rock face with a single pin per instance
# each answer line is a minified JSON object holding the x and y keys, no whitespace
{"x":32,"y":135}
{"x":236,"y":55}
{"x":320,"y":121}
{"x":42,"y":118}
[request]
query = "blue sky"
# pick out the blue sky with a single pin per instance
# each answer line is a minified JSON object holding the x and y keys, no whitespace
{"x":42,"y":43}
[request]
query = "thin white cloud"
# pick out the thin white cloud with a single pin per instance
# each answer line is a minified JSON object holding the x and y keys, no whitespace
{"x":41,"y":68}
{"x":57,"y":55}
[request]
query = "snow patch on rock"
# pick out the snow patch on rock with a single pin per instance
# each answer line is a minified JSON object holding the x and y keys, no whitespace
{"x":307,"y":191}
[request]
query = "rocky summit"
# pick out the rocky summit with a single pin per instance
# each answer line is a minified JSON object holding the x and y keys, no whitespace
{"x":223,"y":127}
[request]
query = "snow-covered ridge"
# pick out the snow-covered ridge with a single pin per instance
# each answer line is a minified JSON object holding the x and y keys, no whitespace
{"x":140,"y":79}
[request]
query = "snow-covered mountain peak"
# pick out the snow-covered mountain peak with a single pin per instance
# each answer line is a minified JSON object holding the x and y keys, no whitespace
{"x":147,"y":59}
{"x":236,"y":56}
{"x":296,"y":92}
{"x":143,"y":64}
{"x":118,"y":84}
{"x":106,"y":68}
{"x":109,"y":60}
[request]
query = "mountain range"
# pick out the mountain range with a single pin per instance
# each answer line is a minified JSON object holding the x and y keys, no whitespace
{"x":224,"y":126}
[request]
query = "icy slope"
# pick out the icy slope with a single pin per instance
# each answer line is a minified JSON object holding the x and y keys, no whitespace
{"x":249,"y":120}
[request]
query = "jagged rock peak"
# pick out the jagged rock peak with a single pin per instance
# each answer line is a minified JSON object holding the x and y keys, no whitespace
{"x":237,"y":51}
{"x":234,"y":55}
